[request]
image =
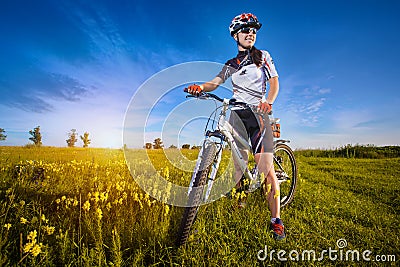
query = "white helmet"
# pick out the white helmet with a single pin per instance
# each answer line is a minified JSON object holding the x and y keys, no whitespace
{"x":242,"y":21}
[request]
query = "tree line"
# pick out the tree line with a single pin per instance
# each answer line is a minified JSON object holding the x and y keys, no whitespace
{"x":158,"y":144}
{"x":369,"y":151}
{"x":36,"y":137}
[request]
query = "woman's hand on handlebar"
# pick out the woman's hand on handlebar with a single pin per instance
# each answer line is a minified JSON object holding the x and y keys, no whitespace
{"x":194,"y":89}
{"x":264,"y":107}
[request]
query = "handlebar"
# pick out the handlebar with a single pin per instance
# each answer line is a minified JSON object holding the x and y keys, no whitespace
{"x":204,"y":95}
{"x":232,"y":101}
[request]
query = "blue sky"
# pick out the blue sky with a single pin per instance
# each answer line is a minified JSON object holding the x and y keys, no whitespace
{"x":76,"y":65}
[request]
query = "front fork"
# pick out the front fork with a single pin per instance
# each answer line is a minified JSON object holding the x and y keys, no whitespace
{"x":214,"y":167}
{"x":214,"y":170}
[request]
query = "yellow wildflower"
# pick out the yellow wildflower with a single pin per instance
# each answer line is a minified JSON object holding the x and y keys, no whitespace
{"x":86,"y":206}
{"x":120,"y":186}
{"x":7,"y":226}
{"x":49,"y":229}
{"x":96,"y":196}
{"x":63,"y":198}
{"x":277,"y":194}
{"x":32,"y":247}
{"x":166,"y":210}
{"x":237,"y":195}
{"x":22,"y":203}
{"x":68,"y":202}
{"x":233,"y":191}
{"x":37,"y":248}
{"x":269,"y":186}
{"x":99,"y":213}
{"x":32,"y":235}
{"x":23,"y":220}
{"x":103,"y":196}
{"x":28,"y":247}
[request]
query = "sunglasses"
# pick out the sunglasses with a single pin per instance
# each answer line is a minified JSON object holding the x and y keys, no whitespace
{"x":247,"y":30}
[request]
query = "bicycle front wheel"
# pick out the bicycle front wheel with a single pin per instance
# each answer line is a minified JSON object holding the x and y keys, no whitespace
{"x":286,"y":172}
{"x":196,"y":194}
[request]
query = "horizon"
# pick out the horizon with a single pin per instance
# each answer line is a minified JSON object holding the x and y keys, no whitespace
{"x":29,"y":146}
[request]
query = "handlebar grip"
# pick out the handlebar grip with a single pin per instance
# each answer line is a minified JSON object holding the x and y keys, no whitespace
{"x":185,"y":90}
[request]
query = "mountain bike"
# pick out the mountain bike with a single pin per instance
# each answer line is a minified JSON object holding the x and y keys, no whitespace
{"x":209,"y":159}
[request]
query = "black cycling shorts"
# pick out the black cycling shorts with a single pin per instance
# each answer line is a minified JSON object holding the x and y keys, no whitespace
{"x":255,"y":127}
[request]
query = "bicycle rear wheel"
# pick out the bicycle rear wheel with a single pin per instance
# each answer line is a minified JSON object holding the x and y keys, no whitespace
{"x":286,"y":172}
{"x":197,"y":192}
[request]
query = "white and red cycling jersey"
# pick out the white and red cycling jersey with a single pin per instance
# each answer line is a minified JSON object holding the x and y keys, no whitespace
{"x":249,"y":81}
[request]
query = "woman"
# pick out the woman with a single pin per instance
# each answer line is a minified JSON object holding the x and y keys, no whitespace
{"x":251,"y":70}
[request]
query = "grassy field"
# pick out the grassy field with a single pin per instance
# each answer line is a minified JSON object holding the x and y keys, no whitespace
{"x":81,"y":207}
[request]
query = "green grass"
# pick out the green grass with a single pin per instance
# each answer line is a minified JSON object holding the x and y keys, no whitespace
{"x":351,"y":198}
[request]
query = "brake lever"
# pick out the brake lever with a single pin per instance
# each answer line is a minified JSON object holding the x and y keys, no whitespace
{"x":202,"y":95}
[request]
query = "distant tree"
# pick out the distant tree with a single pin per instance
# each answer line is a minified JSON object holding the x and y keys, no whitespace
{"x":186,"y":146}
{"x":148,"y":145}
{"x":172,"y":146}
{"x":72,"y":138}
{"x":157,"y":144}
{"x":36,"y":136}
{"x":2,"y":135}
{"x":196,"y":147}
{"x":85,"y":139}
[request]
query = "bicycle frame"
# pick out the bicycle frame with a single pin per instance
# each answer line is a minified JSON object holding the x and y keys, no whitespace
{"x":224,"y":132}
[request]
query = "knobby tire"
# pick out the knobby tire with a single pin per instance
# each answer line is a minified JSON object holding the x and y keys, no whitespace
{"x":196,"y":194}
